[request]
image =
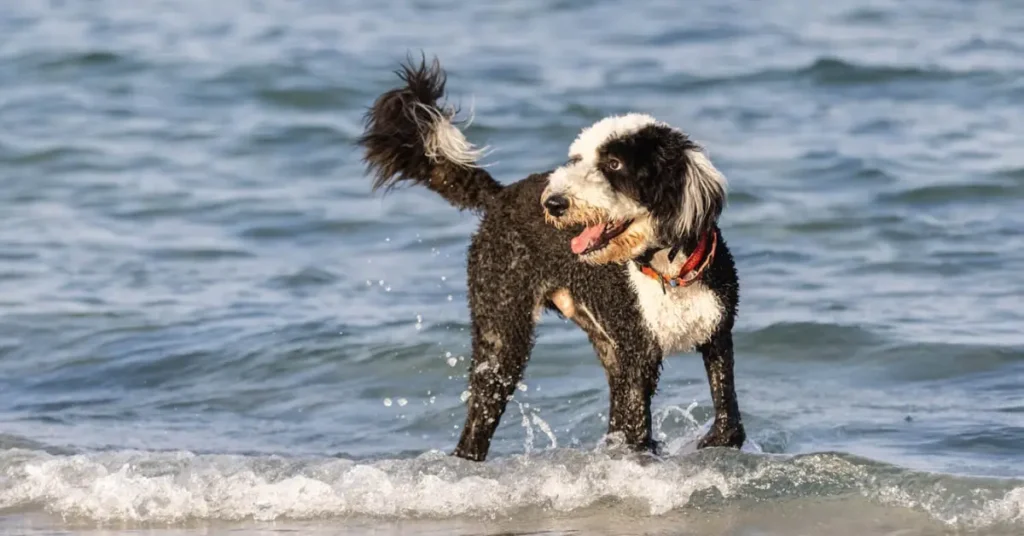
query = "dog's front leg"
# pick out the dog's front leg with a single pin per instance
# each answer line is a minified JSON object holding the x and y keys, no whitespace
{"x":727,"y":430}
{"x":632,"y":381}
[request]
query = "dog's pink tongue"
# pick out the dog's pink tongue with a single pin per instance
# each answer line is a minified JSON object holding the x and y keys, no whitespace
{"x":582,"y":241}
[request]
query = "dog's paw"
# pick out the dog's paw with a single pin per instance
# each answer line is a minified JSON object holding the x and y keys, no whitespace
{"x":729,"y":435}
{"x":471,"y":455}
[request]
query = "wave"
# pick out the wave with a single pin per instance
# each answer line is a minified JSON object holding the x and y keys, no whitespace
{"x":823,"y":71}
{"x":98,"y":61}
{"x":177,"y":487}
{"x":931,"y":195}
{"x":818,"y":341}
{"x":835,"y":71}
{"x":823,"y":341}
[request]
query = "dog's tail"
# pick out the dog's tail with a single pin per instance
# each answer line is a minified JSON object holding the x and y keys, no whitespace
{"x":408,"y":136}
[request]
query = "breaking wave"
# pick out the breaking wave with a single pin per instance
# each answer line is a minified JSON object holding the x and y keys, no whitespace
{"x":177,"y":487}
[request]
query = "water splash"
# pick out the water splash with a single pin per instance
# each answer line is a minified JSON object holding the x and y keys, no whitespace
{"x":174,"y":487}
{"x":531,"y":418}
{"x":546,"y":428}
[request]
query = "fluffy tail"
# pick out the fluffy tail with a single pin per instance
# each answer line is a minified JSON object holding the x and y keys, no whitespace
{"x":408,"y":136}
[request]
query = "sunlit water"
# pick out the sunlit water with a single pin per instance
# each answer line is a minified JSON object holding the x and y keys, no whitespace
{"x":209,"y":323}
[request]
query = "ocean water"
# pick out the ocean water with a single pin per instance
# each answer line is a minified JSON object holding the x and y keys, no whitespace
{"x":208,"y":324}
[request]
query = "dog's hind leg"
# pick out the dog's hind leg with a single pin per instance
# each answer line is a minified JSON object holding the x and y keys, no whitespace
{"x":727,"y":430}
{"x":502,"y":312}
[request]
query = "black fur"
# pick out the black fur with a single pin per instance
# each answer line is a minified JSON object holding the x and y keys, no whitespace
{"x":651,"y":154}
{"x":393,"y":139}
{"x":516,"y":261}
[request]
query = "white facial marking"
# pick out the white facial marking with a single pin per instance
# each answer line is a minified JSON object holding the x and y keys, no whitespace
{"x":679,"y":317}
{"x":593,"y":137}
{"x":587,"y":185}
{"x":582,"y":181}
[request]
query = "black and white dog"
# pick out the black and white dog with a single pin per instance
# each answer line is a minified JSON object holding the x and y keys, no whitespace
{"x":622,"y":239}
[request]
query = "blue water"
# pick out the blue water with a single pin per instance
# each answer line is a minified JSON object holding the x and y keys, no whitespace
{"x":207,"y":320}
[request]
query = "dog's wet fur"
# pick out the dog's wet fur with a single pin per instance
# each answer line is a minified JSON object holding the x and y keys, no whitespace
{"x":630,"y":169}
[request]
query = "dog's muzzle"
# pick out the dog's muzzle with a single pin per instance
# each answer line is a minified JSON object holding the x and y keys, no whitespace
{"x":556,"y":205}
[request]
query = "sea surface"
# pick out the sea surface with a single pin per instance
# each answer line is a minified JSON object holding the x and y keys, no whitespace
{"x":209,"y":324}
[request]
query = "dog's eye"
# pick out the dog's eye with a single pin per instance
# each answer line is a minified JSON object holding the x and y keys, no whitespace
{"x":614,"y":164}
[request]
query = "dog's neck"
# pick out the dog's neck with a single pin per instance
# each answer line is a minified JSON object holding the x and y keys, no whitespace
{"x":670,"y":263}
{"x":660,"y":262}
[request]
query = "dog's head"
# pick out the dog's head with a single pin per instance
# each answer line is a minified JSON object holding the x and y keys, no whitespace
{"x":631,"y":184}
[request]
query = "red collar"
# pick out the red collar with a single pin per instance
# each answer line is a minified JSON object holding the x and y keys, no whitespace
{"x":693,"y":268}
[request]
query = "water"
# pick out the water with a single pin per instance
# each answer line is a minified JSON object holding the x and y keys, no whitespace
{"x":210,"y":324}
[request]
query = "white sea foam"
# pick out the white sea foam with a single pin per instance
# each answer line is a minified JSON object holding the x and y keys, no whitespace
{"x":169,"y":487}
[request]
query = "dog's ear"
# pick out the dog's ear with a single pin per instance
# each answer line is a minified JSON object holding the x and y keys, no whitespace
{"x":703,"y":196}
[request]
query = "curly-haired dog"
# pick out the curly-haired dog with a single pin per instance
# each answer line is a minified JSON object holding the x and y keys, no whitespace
{"x":622,"y":239}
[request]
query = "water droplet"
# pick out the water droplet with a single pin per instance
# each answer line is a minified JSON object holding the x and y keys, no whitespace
{"x":387,"y":288}
{"x":464,"y":396}
{"x":387,"y":402}
{"x":380,"y":282}
{"x":449,"y":297}
{"x":444,"y":278}
{"x":452,"y":361}
{"x":402,"y":401}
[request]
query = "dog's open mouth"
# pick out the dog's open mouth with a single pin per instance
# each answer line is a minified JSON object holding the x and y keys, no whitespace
{"x":598,"y":236}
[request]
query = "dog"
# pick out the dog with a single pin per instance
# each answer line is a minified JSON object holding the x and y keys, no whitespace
{"x":622,"y":239}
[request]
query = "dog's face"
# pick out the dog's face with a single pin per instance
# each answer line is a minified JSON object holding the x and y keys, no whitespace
{"x":632,"y":183}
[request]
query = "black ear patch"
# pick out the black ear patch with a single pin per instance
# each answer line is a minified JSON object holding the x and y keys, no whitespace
{"x":662,"y":174}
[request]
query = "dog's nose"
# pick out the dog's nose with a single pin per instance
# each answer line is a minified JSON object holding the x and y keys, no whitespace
{"x":556,"y":205}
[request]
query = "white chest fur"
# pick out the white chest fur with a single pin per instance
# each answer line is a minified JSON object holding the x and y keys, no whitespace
{"x":681,"y":317}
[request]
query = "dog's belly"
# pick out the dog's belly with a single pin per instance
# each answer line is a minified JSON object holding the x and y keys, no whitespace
{"x":680,"y":318}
